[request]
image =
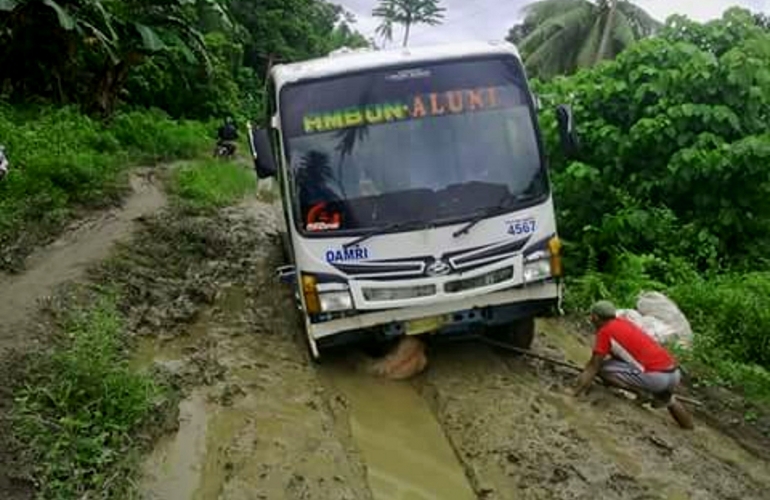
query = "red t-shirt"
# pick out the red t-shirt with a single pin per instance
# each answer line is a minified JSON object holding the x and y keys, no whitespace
{"x":626,"y":341}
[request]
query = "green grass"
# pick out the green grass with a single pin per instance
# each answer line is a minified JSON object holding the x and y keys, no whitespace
{"x":151,"y":136}
{"x":730,"y":316}
{"x":80,"y":406}
{"x":212,"y":184}
{"x":62,"y":160}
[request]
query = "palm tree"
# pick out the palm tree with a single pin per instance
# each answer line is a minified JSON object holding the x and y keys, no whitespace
{"x":408,"y":13}
{"x":559,"y":36}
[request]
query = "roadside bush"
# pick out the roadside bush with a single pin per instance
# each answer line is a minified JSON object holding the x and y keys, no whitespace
{"x":80,"y":407}
{"x":671,"y":192}
{"x":731,"y":314}
{"x":674,"y":147}
{"x":153,"y":136}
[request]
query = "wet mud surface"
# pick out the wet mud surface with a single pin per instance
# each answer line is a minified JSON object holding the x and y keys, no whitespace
{"x":521,"y":434}
{"x":476,"y":424}
{"x":258,"y":420}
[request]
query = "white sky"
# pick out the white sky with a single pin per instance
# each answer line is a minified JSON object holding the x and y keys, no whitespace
{"x":491,"y":19}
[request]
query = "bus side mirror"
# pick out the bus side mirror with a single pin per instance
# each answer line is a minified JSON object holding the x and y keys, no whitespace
{"x":567,"y":133}
{"x":259,"y":143}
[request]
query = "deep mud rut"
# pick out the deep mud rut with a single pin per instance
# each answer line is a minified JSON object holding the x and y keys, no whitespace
{"x":260,"y":421}
{"x":88,"y":241}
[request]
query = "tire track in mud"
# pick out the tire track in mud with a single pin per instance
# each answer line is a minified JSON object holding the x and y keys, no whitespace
{"x":261,"y":421}
{"x":88,"y":241}
{"x":406,"y":453}
{"x":270,"y":424}
{"x":264,"y":425}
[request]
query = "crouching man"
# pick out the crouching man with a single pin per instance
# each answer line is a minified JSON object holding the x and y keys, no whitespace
{"x":625,"y":357}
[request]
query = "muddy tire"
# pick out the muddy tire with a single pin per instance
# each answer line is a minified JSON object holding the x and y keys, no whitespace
{"x":519,"y":334}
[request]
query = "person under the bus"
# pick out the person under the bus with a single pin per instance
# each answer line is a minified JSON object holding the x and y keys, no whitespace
{"x":626,"y":357}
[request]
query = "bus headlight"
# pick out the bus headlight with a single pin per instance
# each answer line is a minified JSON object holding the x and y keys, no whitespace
{"x":545,"y":263}
{"x":325,"y":297}
{"x":335,"y":301}
{"x":537,"y":270}
{"x":334,"y":297}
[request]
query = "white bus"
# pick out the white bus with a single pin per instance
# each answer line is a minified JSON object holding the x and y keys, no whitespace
{"x":414,"y":191}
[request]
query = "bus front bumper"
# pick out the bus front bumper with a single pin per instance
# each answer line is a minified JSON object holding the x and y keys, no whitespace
{"x":508,"y":305}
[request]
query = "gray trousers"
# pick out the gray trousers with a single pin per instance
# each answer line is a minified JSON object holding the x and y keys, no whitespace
{"x":660,"y":384}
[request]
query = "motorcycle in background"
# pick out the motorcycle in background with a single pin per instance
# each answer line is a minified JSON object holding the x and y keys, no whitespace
{"x":224,"y":149}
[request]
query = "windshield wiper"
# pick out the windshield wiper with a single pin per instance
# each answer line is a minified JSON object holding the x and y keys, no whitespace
{"x":413,"y":224}
{"x":505,"y":202}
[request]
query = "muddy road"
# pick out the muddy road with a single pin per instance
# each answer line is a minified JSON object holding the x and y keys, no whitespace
{"x":260,"y":421}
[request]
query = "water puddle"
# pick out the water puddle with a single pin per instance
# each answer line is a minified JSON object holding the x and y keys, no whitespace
{"x":151,"y":350}
{"x":407,"y":455}
{"x":265,"y":427}
{"x":173,"y":469}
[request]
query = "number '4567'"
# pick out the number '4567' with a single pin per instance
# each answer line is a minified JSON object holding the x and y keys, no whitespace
{"x":521,"y":226}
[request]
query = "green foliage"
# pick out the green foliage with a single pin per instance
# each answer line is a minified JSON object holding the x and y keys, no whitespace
{"x":61,"y":159}
{"x":184,"y":90}
{"x":192,"y":59}
{"x":153,"y":136}
{"x":560,"y":36}
{"x":291,"y":30}
{"x":212,"y":184}
{"x":627,"y":275}
{"x":83,"y":50}
{"x":674,"y":148}
{"x":731,"y":313}
{"x":79,"y":407}
{"x":730,"y":316}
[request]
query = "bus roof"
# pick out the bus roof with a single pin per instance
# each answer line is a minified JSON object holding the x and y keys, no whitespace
{"x":343,"y":62}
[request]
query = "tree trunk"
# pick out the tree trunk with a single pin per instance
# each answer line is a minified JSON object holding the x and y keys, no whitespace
{"x":112,"y":82}
{"x":407,"y":26}
{"x":607,"y":33}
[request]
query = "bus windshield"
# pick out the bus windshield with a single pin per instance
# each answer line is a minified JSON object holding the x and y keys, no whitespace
{"x":442,"y":141}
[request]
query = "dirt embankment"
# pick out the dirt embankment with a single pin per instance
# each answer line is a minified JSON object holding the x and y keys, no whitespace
{"x":258,"y":420}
